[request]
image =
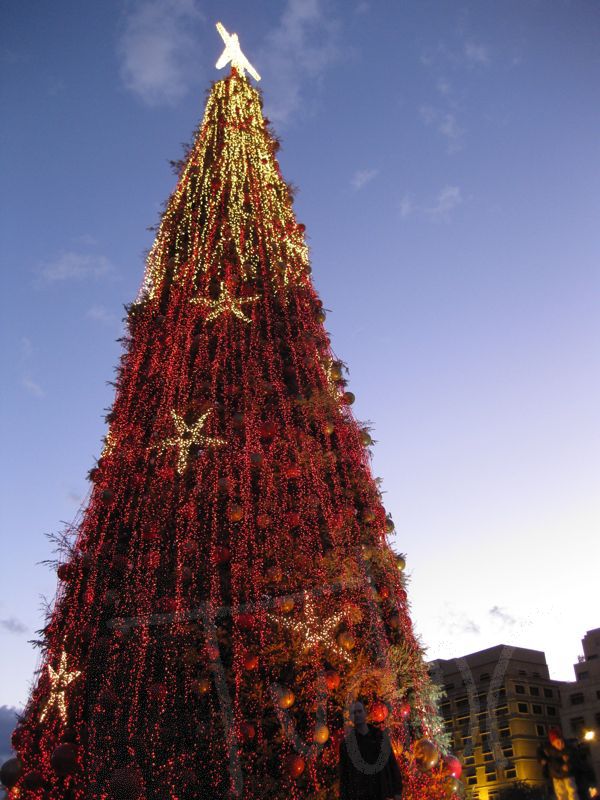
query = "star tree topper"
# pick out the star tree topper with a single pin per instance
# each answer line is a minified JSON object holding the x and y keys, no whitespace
{"x":315,"y":629}
{"x":60,"y":679}
{"x":233,"y":53}
{"x":188,"y":436}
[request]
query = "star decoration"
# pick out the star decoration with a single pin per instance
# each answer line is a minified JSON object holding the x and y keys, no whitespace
{"x":233,"y":53}
{"x":225,"y":302}
{"x":188,"y":436}
{"x":315,"y":629}
{"x":59,"y":679}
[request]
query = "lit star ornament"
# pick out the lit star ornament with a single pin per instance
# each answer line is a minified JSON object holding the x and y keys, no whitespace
{"x":315,"y":629}
{"x":233,"y":53}
{"x":225,"y":302}
{"x":59,"y":679}
{"x":187,"y":437}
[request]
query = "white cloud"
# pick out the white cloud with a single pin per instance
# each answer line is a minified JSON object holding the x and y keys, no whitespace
{"x":158,"y":49}
{"x":101,"y":314}
{"x":451,"y":130}
{"x":363,"y":176}
{"x":300,"y":47}
{"x":476,"y":53}
{"x":443,"y":86}
{"x":406,"y":206}
{"x":32,"y":386}
{"x":447,"y":200}
{"x":501,"y":615}
{"x":71,"y":265}
{"x":362,"y":8}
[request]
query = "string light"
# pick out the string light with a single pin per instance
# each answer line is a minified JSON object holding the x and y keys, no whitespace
{"x":59,"y":679}
{"x":225,"y":302}
{"x":187,"y":437}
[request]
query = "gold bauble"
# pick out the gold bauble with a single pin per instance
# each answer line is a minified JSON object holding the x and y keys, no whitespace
{"x":426,"y":754}
{"x":321,"y":734}
{"x":286,"y":698}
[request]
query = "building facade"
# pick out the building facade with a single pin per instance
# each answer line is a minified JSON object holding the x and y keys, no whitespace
{"x":581,"y":700}
{"x":498,"y":707}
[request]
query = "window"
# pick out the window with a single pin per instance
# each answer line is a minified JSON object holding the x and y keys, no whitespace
{"x":507,"y":752}
{"x":485,"y":676}
{"x":502,"y":711}
{"x":511,"y":773}
{"x":490,"y":776}
{"x":462,"y":702}
{"x":577,"y":723}
{"x":583,"y":675}
{"x":504,"y":732}
{"x":468,"y":760}
{"x":548,"y":692}
{"x":448,"y":687}
{"x":488,"y":756}
{"x":534,"y":691}
{"x":597,"y":719}
{"x":597,"y":694}
{"x":536,"y":708}
{"x":536,"y":674}
{"x":471,"y":780}
{"x":577,"y":699}
{"x":522,"y":672}
{"x":540,"y":730}
{"x":519,"y":689}
{"x":551,"y":711}
{"x":522,"y":708}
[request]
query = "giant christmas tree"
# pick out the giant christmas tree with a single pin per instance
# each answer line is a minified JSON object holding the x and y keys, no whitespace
{"x":230,"y":588}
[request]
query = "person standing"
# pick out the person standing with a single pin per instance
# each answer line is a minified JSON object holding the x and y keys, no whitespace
{"x":368,"y":767}
{"x":560,"y":765}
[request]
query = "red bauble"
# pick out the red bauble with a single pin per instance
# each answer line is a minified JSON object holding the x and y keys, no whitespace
{"x":384,"y":592}
{"x":246,"y":621}
{"x":222,"y":554}
{"x":332,"y":679}
{"x":247,"y":731}
{"x":250,"y":661}
{"x":452,"y":765}
{"x":378,"y":712}
{"x":348,"y":398}
{"x":107,"y":494}
{"x":293,"y":518}
{"x":65,"y":572}
{"x":235,"y":513}
{"x":268,"y":430}
{"x":404,"y":709}
{"x":64,"y":760}
{"x":10,"y":772}
{"x":33,"y":780}
{"x":263,"y":521}
{"x":294,"y":765}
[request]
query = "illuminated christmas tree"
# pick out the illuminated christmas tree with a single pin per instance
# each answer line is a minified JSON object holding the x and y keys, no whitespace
{"x":230,"y":588}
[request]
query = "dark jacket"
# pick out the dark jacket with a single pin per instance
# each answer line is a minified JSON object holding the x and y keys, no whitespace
{"x":368,"y":767}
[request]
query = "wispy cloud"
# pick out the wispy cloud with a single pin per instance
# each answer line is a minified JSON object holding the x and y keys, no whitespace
{"x":101,"y":314}
{"x":33,"y":387}
{"x":406,"y":206}
{"x":363,"y":176}
{"x":476,"y":53}
{"x":158,"y":49}
{"x":445,"y":123}
{"x":12,"y":625}
{"x":298,"y":49}
{"x":71,"y":265}
{"x":362,"y":8}
{"x":501,"y":615}
{"x":449,"y":197}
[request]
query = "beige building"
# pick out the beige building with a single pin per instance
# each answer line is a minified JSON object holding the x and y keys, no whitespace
{"x":498,"y":707}
{"x":581,"y":699}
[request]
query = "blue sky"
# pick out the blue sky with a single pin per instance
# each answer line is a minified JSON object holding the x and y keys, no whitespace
{"x":447,"y":155}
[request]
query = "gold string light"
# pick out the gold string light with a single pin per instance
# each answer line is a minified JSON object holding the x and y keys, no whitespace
{"x":225,"y":302}
{"x":314,"y":629}
{"x":188,"y":436}
{"x":60,"y":679}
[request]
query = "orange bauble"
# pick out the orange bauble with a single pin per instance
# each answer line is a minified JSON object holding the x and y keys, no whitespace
{"x":321,"y":734}
{"x":286,"y":698}
{"x":426,"y":754}
{"x":250,"y":661}
{"x":294,"y":765}
{"x":332,"y":679}
{"x":235,"y":513}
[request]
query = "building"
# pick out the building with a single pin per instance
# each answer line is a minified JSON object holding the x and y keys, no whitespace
{"x":498,"y":707}
{"x":581,"y":699}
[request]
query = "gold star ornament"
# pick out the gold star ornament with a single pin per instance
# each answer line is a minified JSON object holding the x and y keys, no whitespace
{"x":188,"y":436}
{"x":225,"y":303}
{"x":315,"y":629}
{"x":59,"y":679}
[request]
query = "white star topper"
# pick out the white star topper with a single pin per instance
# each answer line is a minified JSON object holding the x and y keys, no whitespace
{"x":233,"y":53}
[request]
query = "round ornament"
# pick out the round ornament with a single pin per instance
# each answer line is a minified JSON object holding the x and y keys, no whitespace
{"x":348,"y":398}
{"x":64,"y":760}
{"x":426,"y":754}
{"x":286,"y":698}
{"x":235,"y":513}
{"x":452,"y":765}
{"x":321,"y":734}
{"x":378,"y":711}
{"x":332,"y":680}
{"x":34,"y":780}
{"x":10,"y":772}
{"x":294,"y":765}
